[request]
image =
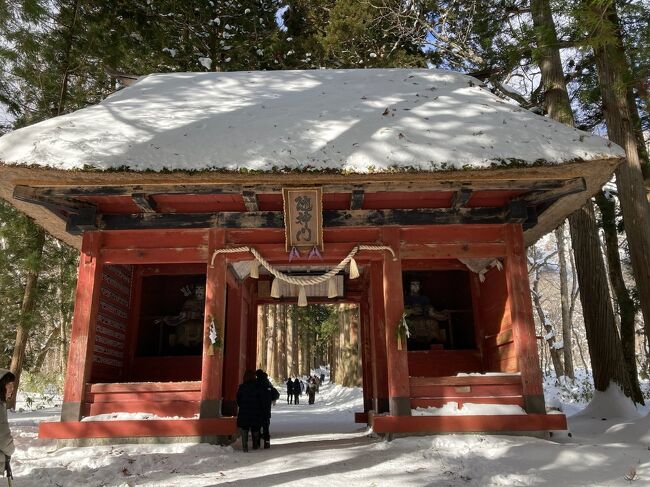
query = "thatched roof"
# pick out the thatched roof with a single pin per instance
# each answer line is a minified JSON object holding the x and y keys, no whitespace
{"x":357,"y":121}
{"x":303,"y":127}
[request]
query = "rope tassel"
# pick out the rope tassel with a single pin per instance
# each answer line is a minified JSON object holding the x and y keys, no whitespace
{"x":302,"y":297}
{"x":255,"y":269}
{"x":354,"y":270}
{"x":275,"y":288}
{"x":332,"y":290}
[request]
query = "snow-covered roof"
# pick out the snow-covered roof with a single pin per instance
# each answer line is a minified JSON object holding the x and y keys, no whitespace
{"x":357,"y":121}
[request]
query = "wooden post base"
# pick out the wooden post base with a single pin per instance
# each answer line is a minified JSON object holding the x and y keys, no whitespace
{"x":380,"y":405}
{"x":400,"y":406}
{"x":210,"y":408}
{"x":229,"y":407}
{"x":71,"y":411}
{"x":534,"y":404}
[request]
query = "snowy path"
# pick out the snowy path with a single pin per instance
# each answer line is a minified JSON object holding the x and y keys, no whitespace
{"x":321,"y":445}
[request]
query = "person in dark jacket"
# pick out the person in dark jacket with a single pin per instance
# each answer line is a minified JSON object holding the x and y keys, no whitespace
{"x":297,"y":391}
{"x":289,"y":391}
{"x":6,"y":440}
{"x":269,"y":395}
{"x":251,"y":410}
{"x":311,"y":390}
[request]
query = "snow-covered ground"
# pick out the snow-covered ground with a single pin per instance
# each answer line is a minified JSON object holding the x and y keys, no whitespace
{"x":321,"y":445}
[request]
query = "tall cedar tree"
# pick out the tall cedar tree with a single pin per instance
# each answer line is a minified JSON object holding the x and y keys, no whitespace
{"x":602,"y":336}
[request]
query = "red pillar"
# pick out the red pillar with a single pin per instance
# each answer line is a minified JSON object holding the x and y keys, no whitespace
{"x":378,"y":338}
{"x":398,"y":371}
{"x":215,"y":308}
{"x":232,"y":350}
{"x":82,"y":337}
{"x":366,"y":360}
{"x":251,"y":344}
{"x":523,"y":325}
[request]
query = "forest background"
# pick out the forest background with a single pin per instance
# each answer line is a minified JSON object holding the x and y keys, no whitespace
{"x":582,"y":62}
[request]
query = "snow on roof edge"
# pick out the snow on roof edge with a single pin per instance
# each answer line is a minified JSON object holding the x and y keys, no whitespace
{"x":338,"y":121}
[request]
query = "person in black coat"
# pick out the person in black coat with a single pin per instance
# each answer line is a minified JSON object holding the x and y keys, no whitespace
{"x":289,"y":391}
{"x":251,"y":410}
{"x":269,"y":395}
{"x":297,"y":391}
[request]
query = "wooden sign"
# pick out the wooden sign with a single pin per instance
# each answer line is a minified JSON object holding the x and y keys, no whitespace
{"x":303,"y":217}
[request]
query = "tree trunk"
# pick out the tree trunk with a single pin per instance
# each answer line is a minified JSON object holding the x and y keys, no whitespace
{"x":26,"y":309}
{"x":262,"y":324}
{"x":270,"y":341}
{"x":282,"y":341}
{"x":604,"y":343}
{"x":626,"y":308}
{"x":612,"y":73}
{"x":565,"y":303}
{"x":602,"y":337}
{"x":548,"y":329}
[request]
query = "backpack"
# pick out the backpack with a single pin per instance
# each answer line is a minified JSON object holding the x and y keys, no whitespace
{"x":275,"y":395}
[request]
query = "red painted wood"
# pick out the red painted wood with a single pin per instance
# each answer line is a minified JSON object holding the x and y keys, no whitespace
{"x":464,"y":380}
{"x":453,"y":250}
{"x":435,"y":363}
{"x":173,"y":269}
{"x":113,"y":397}
{"x":251,"y":340}
{"x":493,"y":199}
{"x":398,"y":372}
{"x":378,"y":335}
{"x":153,"y":256}
{"x":270,"y":201}
{"x":215,"y":306}
{"x":479,"y":330}
{"x":432,"y":264}
{"x":453,"y":234}
{"x":233,"y":343}
{"x":440,"y":402}
{"x":521,"y":310}
{"x":366,"y":360}
{"x":198,"y":203}
{"x":130,"y":429}
{"x":407,"y":200}
{"x":466,"y":424}
{"x":466,"y":390}
{"x":112,"y":204}
{"x":336,"y":201}
{"x":135,"y":387}
{"x":169,"y":408}
{"x":82,"y":335}
{"x":254,"y":236}
{"x":131,"y":239}
{"x":360,"y":417}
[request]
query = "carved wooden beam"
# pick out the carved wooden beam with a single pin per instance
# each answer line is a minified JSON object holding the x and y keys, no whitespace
{"x":513,"y":213}
{"x":78,"y":215}
{"x":250,"y":199}
{"x":356,"y":198}
{"x":145,"y":202}
{"x":567,"y":187}
{"x":461,"y":197}
{"x":434,"y":185}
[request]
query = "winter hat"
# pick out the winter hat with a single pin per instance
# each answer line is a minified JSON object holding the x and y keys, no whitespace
{"x":4,"y":372}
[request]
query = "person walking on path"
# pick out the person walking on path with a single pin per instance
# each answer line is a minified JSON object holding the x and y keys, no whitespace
{"x":289,"y":391}
{"x":297,"y":391}
{"x":269,"y":395}
{"x":251,"y":410}
{"x":311,"y":390}
{"x":6,"y":440}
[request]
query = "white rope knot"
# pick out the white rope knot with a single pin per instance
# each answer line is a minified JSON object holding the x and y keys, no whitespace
{"x":302,"y":280}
